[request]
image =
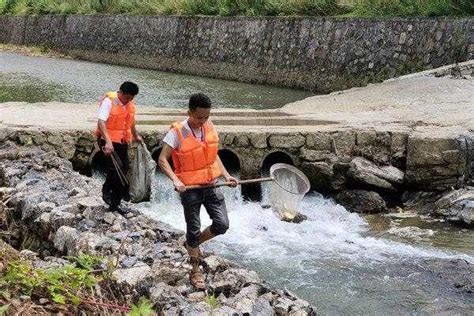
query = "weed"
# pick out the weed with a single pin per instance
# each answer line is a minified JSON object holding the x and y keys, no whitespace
{"x":143,"y":308}
{"x":212,"y":301}
{"x":62,"y":285}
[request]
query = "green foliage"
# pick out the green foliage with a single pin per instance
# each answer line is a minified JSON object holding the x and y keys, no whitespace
{"x":364,"y":8}
{"x":375,"y":8}
{"x":143,"y":308}
{"x":4,"y":309}
{"x":212,"y":301}
{"x":62,"y":285}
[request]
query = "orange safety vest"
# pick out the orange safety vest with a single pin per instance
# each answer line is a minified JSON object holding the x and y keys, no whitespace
{"x":120,"y":121}
{"x":195,"y":162}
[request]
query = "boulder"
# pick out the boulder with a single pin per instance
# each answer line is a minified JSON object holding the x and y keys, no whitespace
{"x":369,"y":174}
{"x":361,"y":201}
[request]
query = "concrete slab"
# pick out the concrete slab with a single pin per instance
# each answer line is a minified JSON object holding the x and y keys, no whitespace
{"x":419,"y":103}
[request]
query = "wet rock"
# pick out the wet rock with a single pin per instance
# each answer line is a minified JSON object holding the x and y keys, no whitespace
{"x":226,"y":311}
{"x":298,"y":218}
{"x":214,"y":262}
{"x":44,"y":222}
{"x":128,"y":262}
{"x":59,"y":218}
{"x":162,"y":294}
{"x":46,"y":206}
{"x":232,"y":278}
{"x":244,"y":300}
{"x":28,"y":255}
{"x":361,"y":201}
{"x":169,"y":275}
{"x":77,"y":192}
{"x":65,"y":238}
{"x":109,"y":218}
{"x":90,"y":242}
{"x":282,"y":305}
{"x":369,"y":174}
{"x":457,"y":206}
{"x":90,"y":203}
{"x":262,"y":307}
{"x":132,"y":276}
{"x":320,"y":174}
{"x":199,"y":309}
{"x":85,"y":225}
{"x":197,"y":296}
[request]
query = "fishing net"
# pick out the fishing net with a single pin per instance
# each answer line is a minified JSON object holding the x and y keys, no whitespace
{"x":142,"y":169}
{"x":287,"y":190}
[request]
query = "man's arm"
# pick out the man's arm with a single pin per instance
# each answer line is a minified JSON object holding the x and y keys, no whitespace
{"x":225,"y":173}
{"x":108,"y":148}
{"x":135,"y":134}
{"x":166,"y":167}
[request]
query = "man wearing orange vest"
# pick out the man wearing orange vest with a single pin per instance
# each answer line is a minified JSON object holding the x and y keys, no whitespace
{"x":193,"y":144}
{"x":115,"y":130}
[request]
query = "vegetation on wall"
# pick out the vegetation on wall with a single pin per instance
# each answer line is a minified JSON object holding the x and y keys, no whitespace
{"x":356,"y":8}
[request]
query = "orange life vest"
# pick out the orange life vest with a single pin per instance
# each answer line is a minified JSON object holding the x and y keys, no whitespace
{"x":195,"y":162}
{"x":120,"y":121}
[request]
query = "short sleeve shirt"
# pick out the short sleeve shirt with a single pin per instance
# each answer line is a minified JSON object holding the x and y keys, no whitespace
{"x":104,"y":109}
{"x":171,"y":138}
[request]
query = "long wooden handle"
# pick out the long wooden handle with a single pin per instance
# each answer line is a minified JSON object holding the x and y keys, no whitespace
{"x":228,"y":183}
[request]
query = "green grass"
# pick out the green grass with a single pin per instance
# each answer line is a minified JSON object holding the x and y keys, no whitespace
{"x":356,"y":8}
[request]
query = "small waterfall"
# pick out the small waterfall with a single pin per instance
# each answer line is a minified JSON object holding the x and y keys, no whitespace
{"x":330,"y":259}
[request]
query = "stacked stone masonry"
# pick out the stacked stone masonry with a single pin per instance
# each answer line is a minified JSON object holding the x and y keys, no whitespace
{"x":333,"y":161}
{"x":317,"y":54}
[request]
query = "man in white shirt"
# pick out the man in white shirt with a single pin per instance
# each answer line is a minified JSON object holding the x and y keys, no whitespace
{"x":115,"y":131}
{"x":193,"y":146}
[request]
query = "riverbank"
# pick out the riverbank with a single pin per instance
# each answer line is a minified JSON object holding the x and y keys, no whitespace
{"x":53,"y":211}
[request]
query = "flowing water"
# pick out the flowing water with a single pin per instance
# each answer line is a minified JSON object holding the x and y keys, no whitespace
{"x":340,"y":262}
{"x":42,"y":79}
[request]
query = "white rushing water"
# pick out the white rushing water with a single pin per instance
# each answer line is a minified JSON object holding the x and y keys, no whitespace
{"x":330,"y":259}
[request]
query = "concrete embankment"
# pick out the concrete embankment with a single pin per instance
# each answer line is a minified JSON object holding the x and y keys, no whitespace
{"x":316,"y":54}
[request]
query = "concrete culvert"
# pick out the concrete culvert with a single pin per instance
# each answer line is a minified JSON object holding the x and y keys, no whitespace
{"x":273,"y":158}
{"x":230,"y":160}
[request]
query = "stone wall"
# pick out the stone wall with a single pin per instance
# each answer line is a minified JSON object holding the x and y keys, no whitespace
{"x":317,"y":54}
{"x":333,"y":160}
{"x":364,"y":170}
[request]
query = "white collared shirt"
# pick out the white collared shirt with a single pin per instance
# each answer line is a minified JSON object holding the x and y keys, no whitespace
{"x":172,"y":139}
{"x":105,"y":107}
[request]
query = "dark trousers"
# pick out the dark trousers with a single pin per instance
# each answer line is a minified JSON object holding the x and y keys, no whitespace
{"x":113,"y":191}
{"x":213,"y":201}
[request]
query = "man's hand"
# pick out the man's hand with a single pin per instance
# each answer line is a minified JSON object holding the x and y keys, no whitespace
{"x":233,"y":180}
{"x":108,"y":148}
{"x":179,"y":186}
{"x":139,"y":139}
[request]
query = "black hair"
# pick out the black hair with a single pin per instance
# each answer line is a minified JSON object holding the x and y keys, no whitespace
{"x":129,"y":87}
{"x":199,"y":100}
